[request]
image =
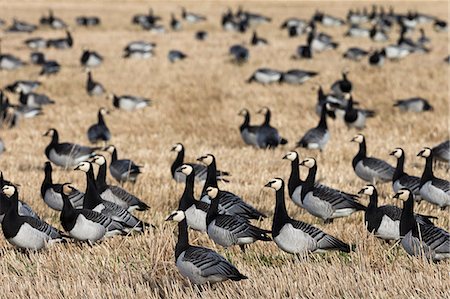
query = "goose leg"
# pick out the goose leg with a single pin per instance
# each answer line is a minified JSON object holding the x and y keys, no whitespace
{"x":242,"y":248}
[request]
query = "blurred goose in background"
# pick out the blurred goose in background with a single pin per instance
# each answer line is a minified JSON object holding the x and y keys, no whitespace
{"x":433,"y":189}
{"x":93,"y":88}
{"x":324,"y":202}
{"x":49,"y":67}
{"x":378,"y":34}
{"x":25,"y":86}
{"x":265,"y":76}
{"x":200,"y":169}
{"x":122,"y":170}
{"x":51,"y":193}
{"x":295,"y":236}
{"x":21,"y":26}
{"x":343,"y":86}
{"x":34,"y":100}
{"x":384,"y":221}
{"x":248,"y":132}
{"x":37,"y":58}
{"x":99,"y":131}
{"x":201,"y":35}
{"x":191,"y":17}
{"x":266,"y":135}
{"x":357,"y":31}
{"x":317,"y":137}
{"x":421,"y":239}
{"x":356,"y":118}
{"x":258,"y":41}
{"x":441,"y":151}
{"x":198,"y":264}
{"x":370,"y":169}
{"x":176,"y":55}
{"x":377,"y":58}
{"x":355,"y":54}
{"x":320,"y":41}
{"x":229,"y":203}
{"x":66,"y":154}
{"x":114,"y":193}
{"x":296,"y":76}
{"x":85,"y":224}
{"x":423,"y":39}
{"x":413,"y":105}
{"x":129,"y":103}
{"x":175,"y":24}
{"x":26,"y":232}
{"x":440,"y":26}
{"x":61,"y":43}
{"x":88,"y":21}
{"x":8,"y":61}
{"x":139,"y":49}
{"x":401,"y":179}
{"x":304,"y":51}
{"x":327,"y":20}
{"x":36,"y":43}
{"x":52,"y":21}
{"x":90,"y":58}
{"x":239,"y":53}
{"x":227,"y":230}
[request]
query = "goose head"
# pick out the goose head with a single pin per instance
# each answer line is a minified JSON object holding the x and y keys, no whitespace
{"x":50,"y":132}
{"x":212,"y":192}
{"x":403,"y":194}
{"x":275,"y":184}
{"x":291,"y":156}
{"x":308,"y":162}
{"x":244,"y":112}
{"x":425,"y":153}
{"x":83,"y":166}
{"x":185,"y":169}
{"x":176,"y":216}
{"x":207,"y":159}
{"x":177,"y":147}
{"x":359,"y":138}
{"x":367,"y":190}
{"x":99,"y":160}
{"x":110,"y":149}
{"x":8,"y":190}
{"x":397,"y":152}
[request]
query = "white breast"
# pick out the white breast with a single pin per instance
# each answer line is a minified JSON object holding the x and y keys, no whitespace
{"x":389,"y":229}
{"x":86,"y":230}
{"x":294,"y":240}
{"x":296,"y":196}
{"x":434,"y":195}
{"x":29,"y":238}
{"x":196,"y":218}
{"x":317,"y":207}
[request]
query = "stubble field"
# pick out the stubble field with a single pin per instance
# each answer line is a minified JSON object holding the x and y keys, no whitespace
{"x":196,"y":102}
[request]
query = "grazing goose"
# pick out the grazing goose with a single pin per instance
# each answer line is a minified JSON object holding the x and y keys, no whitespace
{"x":49,"y":67}
{"x":304,"y":51}
{"x":21,"y":26}
{"x":440,"y":25}
{"x":370,"y":169}
{"x":129,"y":103}
{"x":113,"y":193}
{"x":36,"y":43}
{"x":26,"y":232}
{"x":195,"y":210}
{"x":355,"y":54}
{"x":265,"y":76}
{"x":324,"y":202}
{"x":200,"y":169}
{"x":201,"y":35}
{"x":51,"y":193}
{"x":9,"y":62}
{"x":320,"y":42}
{"x":34,"y":100}
{"x":239,"y":53}
{"x":258,"y":41}
{"x":378,"y":34}
{"x":175,"y":55}
{"x":377,"y":58}
{"x":122,"y":170}
{"x":37,"y":58}
{"x":25,"y":86}
{"x":357,"y":31}
{"x":356,"y":118}
{"x":297,"y":76}
{"x":343,"y":86}
{"x":417,"y":238}
{"x":61,"y":43}
{"x":327,"y":20}
{"x":90,"y":58}
{"x":384,"y":221}
{"x":433,"y":189}
{"x":266,"y":135}
{"x":85,"y":224}
{"x":229,"y":203}
{"x":227,"y":230}
{"x":395,"y":52}
{"x":93,"y":201}
{"x":66,"y":154}
{"x":401,"y":179}
{"x":88,"y":21}
{"x":295,"y":236}
{"x":441,"y":151}
{"x":198,"y":264}
{"x":175,"y":24}
{"x":413,"y":105}
{"x":99,"y":131}
{"x":249,"y":133}
{"x":139,"y":49}
{"x":316,"y":138}
{"x":191,"y":17}
{"x":52,"y":21}
{"x":93,"y":88}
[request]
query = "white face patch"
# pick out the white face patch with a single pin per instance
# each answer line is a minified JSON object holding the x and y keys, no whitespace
{"x":291,"y":156}
{"x":212,"y":192}
{"x":263,"y":110}
{"x":275,"y":184}
{"x":177,"y":216}
{"x":67,"y":189}
{"x":50,"y":133}
{"x":208,"y":160}
{"x":403,"y":194}
{"x":398,"y":152}
{"x":426,"y":153}
{"x":84,"y":166}
{"x":103,"y":111}
{"x":368,"y":190}
{"x":99,"y":160}
{"x":309,"y":162}
{"x":186,"y":169}
{"x":177,"y":147}
{"x":110,"y":149}
{"x":8,"y":190}
{"x":358,"y":138}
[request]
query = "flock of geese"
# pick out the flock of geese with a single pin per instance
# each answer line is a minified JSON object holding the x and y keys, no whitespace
{"x":104,"y":210}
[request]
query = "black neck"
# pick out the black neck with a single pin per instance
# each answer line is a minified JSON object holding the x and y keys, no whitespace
{"x":100,"y":182}
{"x":55,"y":137}
{"x":399,"y":169}
{"x":246,"y":122}
{"x":178,"y":162}
{"x":309,"y":182}
{"x":91,"y":197}
{"x":187,"y":199}
{"x":373,"y":203}
{"x":267,"y":117}
{"x":361,"y":153}
{"x":280,"y":216}
{"x":114,"y":155}
{"x":14,"y":205}
{"x":101,"y":121}
{"x":68,"y":211}
{"x":427,"y":174}
{"x":350,"y":104}
{"x":213,"y":210}
{"x":323,"y":117}
{"x":183,"y":238}
{"x":89,"y":79}
{"x":407,"y":220}
{"x":294,"y":178}
{"x":211,"y":177}
{"x":48,"y":182}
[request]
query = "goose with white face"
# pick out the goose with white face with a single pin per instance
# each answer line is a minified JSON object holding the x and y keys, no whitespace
{"x":83,"y":166}
{"x":398,"y":153}
{"x":176,"y":216}
{"x":275,"y":184}
{"x":308,"y":162}
{"x":207,"y":159}
{"x":359,"y":138}
{"x":367,"y":190}
{"x":291,"y":156}
{"x":178,"y":147}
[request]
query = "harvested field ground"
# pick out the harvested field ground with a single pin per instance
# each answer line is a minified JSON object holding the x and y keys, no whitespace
{"x":196,"y":102}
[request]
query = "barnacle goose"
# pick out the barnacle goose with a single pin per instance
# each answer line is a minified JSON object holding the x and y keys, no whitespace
{"x":99,"y":131}
{"x":320,"y":41}
{"x":122,"y":170}
{"x":21,"y":26}
{"x":266,"y":135}
{"x":66,"y":154}
{"x":195,"y":210}
{"x":413,"y":105}
{"x":9,"y":62}
{"x":229,"y":203}
{"x":227,"y":230}
{"x":34,"y":100}
{"x":114,"y":193}
{"x":401,"y":179}
{"x":129,"y":103}
{"x":384,"y":221}
{"x":36,"y":43}
{"x":377,"y":58}
{"x":93,"y":201}
{"x":139,"y":49}
{"x":317,"y":137}
{"x":248,"y":132}
{"x":378,"y":34}
{"x":295,"y":183}
{"x":51,"y":193}
{"x":441,"y":151}
{"x":201,"y":35}
{"x":295,"y":236}
{"x":93,"y":88}
{"x":49,"y":67}
{"x":52,"y":21}
{"x":421,"y":239}
{"x":304,"y":51}
{"x":88,"y":21}
{"x":327,"y":20}
{"x":61,"y":43}
{"x":239,"y":53}
{"x":25,"y":86}
{"x":356,"y":118}
{"x":26,"y":232}
{"x":296,"y":76}
{"x":198,"y":264}
{"x":37,"y":58}
{"x":85,"y":224}
{"x":370,"y":169}
{"x":357,"y":31}
{"x":324,"y":202}
{"x":191,"y":17}
{"x":343,"y":86}
{"x":175,"y":24}
{"x":258,"y":41}
{"x":90,"y":58}
{"x":200,"y":169}
{"x":355,"y":54}
{"x":265,"y":76}
{"x":433,"y":189}
{"x":440,"y":26}
{"x":175,"y":55}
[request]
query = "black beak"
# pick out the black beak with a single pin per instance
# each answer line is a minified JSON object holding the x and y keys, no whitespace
{"x":397,"y":196}
{"x":285,"y":157}
{"x":420,"y":154}
{"x":77,"y":168}
{"x":201,"y":158}
{"x":302,"y":163}
{"x":361,"y":191}
{"x":170,"y":218}
{"x":391,"y":154}
{"x":269,"y":184}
